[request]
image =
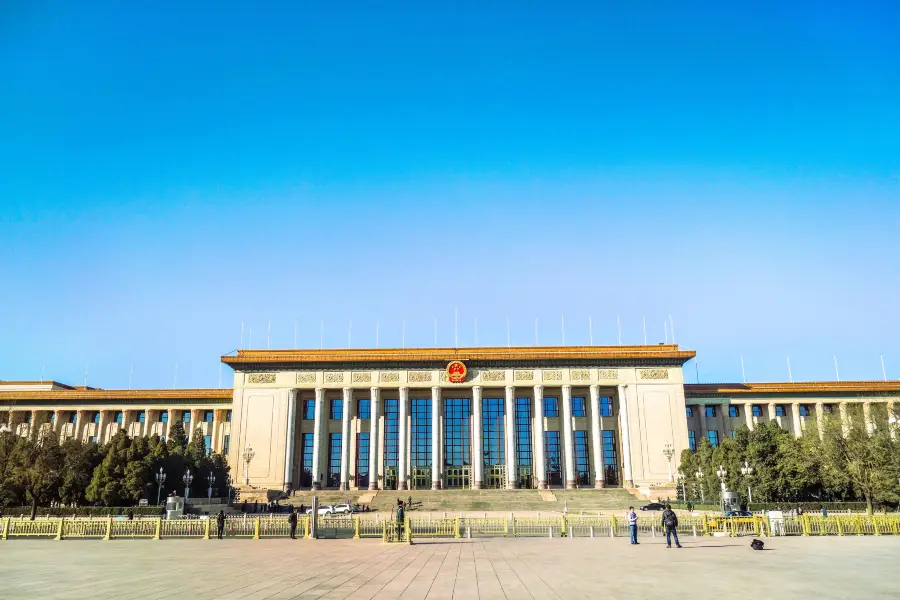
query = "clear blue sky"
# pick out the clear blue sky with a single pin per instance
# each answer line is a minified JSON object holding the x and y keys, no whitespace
{"x":169,"y":171}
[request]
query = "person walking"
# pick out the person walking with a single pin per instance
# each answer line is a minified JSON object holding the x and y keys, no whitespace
{"x":292,"y":521}
{"x":220,"y":524}
{"x":670,"y":524}
{"x":632,"y":524}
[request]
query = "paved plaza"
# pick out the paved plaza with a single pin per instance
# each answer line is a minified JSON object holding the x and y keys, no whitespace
{"x":847,"y":567}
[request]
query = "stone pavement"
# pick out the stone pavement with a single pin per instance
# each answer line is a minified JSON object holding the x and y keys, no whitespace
{"x":795,"y":567}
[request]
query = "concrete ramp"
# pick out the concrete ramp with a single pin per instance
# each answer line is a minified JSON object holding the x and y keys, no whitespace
{"x":547,"y":496}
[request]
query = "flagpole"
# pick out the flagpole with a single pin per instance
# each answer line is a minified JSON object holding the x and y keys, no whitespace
{"x":883,"y":372}
{"x":836,"y":372}
{"x":790,"y":375}
{"x":672,"y":328}
{"x":403,"y":333}
{"x":591,"y":330}
{"x":743,"y":375}
{"x":130,"y":376}
{"x":644,"y":319}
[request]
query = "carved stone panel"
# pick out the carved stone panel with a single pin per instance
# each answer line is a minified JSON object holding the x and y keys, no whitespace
{"x":334,"y":377}
{"x":493,"y":376}
{"x":306,"y":378}
{"x":261,"y":378}
{"x":419,"y":377}
{"x":608,"y":374}
{"x":361,"y":377}
{"x":580,"y":374}
{"x":444,"y":377}
{"x":653,"y":373}
{"x":524,"y":375}
{"x":390,"y":377}
{"x":555,"y":375}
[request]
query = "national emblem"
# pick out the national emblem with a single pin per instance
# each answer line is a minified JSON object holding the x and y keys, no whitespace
{"x":456,"y":372}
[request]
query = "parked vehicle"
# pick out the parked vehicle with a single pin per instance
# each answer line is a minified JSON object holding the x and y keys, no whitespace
{"x":738,"y":513}
{"x":323,"y":511}
{"x":654,"y":506}
{"x":342,"y":509}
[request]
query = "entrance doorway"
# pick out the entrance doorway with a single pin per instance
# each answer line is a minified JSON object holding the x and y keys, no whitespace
{"x":421,"y":478}
{"x":458,"y":478}
{"x":494,"y":477}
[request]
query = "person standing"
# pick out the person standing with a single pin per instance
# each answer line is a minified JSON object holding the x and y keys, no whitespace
{"x":292,"y":521}
{"x":220,"y":524}
{"x":632,"y":524}
{"x":670,"y":524}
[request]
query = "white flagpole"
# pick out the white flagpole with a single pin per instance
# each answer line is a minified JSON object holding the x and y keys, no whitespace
{"x":619,"y":325}
{"x":476,"y":331}
{"x":790,"y":375}
{"x":403,"y":333}
{"x":666,"y":327}
{"x":563,"y":330}
{"x":883,"y":372}
{"x":242,"y":335}
{"x":644,"y":319}
{"x":43,"y":367}
{"x":672,"y":328}
{"x":836,"y":372}
{"x":697,"y":369}
{"x":456,"y":327}
{"x":295,"y":331}
{"x":376,"y":334}
{"x":591,"y":329}
{"x":269,"y":336}
{"x":537,"y":341}
{"x":507,"y":332}
{"x":321,"y":334}
{"x":86,"y":371}
{"x":130,"y":376}
{"x":743,"y":375}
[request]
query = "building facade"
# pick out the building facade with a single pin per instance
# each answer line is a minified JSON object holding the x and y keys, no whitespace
{"x":402,"y":419}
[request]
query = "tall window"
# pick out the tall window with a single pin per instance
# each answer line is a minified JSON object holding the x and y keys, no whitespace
{"x":186,"y":416}
{"x":228,"y":416}
{"x":757,"y":410}
{"x":551,"y":407}
{"x":779,"y":410}
{"x":733,"y":411}
{"x":804,"y":410}
{"x":119,"y":417}
{"x":713,"y":437}
{"x":391,"y":439}
{"x":226,"y":444}
{"x":606,"y":407}
{"x":142,"y":416}
{"x":164,"y":416}
{"x":208,"y":416}
{"x":552,"y":458}
{"x":492,"y":431}
{"x":337,"y":409}
{"x":710,"y":411}
{"x":309,"y":410}
{"x":420,"y":434}
{"x":306,"y":460}
{"x":364,"y":408}
{"x":362,"y":460}
{"x":207,"y":443}
{"x":334,"y":460}
{"x":524,"y":452}
{"x":73,"y":417}
{"x":610,"y":457}
{"x":578,"y":408}
{"x":96,"y":417}
{"x":688,"y":411}
{"x":582,"y":462}
{"x":457,"y":416}
{"x":827,"y":409}
{"x":692,"y":440}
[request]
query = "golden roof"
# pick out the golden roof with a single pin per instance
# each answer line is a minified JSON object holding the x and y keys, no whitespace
{"x":71,"y":395}
{"x":799,"y":387}
{"x":669,"y":352}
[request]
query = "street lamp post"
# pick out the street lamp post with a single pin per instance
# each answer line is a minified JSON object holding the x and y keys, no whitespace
{"x":669,"y":452}
{"x":721,"y":473}
{"x":680,"y":477}
{"x":160,"y":479}
{"x":211,"y":479}
{"x":187,"y":479}
{"x":747,"y":471}
{"x":699,"y":475}
{"x":248,"y":456}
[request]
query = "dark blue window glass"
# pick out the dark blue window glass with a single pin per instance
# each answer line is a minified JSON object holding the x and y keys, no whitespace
{"x":309,"y":410}
{"x":578,"y":408}
{"x":362,"y":460}
{"x":551,"y":407}
{"x":553,"y":458}
{"x":334,"y":460}
{"x":582,"y":459}
{"x":364,"y":408}
{"x":610,"y":457}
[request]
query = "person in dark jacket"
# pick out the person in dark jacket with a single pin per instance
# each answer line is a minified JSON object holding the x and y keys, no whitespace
{"x":220,"y":524}
{"x":670,"y":524}
{"x":292,"y":520}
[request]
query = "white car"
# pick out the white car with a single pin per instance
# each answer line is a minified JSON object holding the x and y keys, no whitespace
{"x":342,"y":509}
{"x":323,"y":511}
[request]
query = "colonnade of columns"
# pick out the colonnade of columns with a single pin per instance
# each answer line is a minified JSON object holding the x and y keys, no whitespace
{"x":376,"y":436}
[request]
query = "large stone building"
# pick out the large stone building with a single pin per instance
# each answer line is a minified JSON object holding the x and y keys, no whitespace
{"x":446,"y":418}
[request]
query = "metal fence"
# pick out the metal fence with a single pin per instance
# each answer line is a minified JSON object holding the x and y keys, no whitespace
{"x":347,"y":526}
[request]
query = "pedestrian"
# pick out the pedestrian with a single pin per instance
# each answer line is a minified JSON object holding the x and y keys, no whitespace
{"x":632,"y":524}
{"x":690,"y":507}
{"x":824,"y":511}
{"x":400,"y":521}
{"x":409,"y":503}
{"x":292,"y":520}
{"x":220,"y":524}
{"x":130,"y":515}
{"x":302,"y":507}
{"x":670,"y":524}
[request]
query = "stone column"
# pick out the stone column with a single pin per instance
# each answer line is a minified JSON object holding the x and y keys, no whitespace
{"x":435,"y":438}
{"x":374,"y":467}
{"x":317,"y":440}
{"x":892,"y":424}
{"x":820,"y":418}
{"x":541,"y":472}
{"x":172,"y":412}
{"x":511,"y":478}
{"x":748,"y":415}
{"x":101,"y":427}
{"x":845,"y":419}
{"x":772,"y":412}
{"x":289,"y":442}
{"x":567,"y":436}
{"x":626,"y":439}
{"x":795,"y":414}
{"x":80,"y":416}
{"x":345,"y":440}
{"x":595,"y":437}
{"x":477,"y":452}
{"x":402,"y":437}
{"x":867,"y":418}
{"x":725,"y":420}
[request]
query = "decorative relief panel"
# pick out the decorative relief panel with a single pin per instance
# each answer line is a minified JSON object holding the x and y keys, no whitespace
{"x":524,"y":375}
{"x":361,"y":377}
{"x":653,"y":373}
{"x":419,"y":377}
{"x":261,"y":378}
{"x":444,"y":377}
{"x":609,"y":374}
{"x":390,"y":377}
{"x":552,"y":375}
{"x":306,"y":377}
{"x":580,"y":374}
{"x":334,"y":377}
{"x":493,"y":376}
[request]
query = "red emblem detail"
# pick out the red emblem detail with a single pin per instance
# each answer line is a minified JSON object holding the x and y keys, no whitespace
{"x":456,"y":372}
